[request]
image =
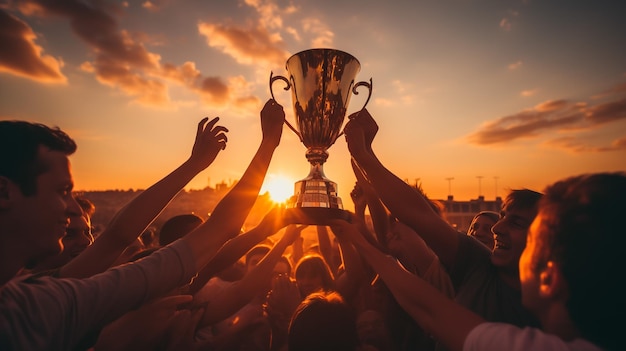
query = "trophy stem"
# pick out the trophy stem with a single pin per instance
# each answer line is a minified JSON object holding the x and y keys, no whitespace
{"x":316,"y":190}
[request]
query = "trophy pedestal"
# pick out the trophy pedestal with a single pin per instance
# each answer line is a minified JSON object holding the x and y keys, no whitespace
{"x":315,"y":201}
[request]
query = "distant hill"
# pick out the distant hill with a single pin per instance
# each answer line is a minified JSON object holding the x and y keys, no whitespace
{"x":200,"y":202}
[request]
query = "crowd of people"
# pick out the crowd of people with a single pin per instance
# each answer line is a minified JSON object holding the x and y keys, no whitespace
{"x":543,"y":274}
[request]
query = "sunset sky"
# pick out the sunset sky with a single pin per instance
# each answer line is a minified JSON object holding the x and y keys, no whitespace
{"x":518,"y":93}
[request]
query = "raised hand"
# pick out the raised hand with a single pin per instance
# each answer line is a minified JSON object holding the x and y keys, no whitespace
{"x":366,"y":122}
{"x":210,"y":140}
{"x":272,"y":119}
{"x":283,"y":299}
{"x":293,"y":232}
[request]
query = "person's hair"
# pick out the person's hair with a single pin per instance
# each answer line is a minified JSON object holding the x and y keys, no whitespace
{"x":522,"y":199}
{"x":177,"y":227}
{"x":494,"y":216}
{"x":260,"y":249}
{"x":582,"y":230}
{"x":19,"y":149}
{"x":316,"y":264}
{"x":86,"y":205}
{"x":323,"y":321}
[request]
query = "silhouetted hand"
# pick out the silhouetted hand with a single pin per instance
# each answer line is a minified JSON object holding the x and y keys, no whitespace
{"x":367,"y":124}
{"x":358,"y":198}
{"x":293,"y":232}
{"x":282,"y":300}
{"x":274,"y":220}
{"x":210,"y":140}
{"x":344,"y":229}
{"x":272,"y":119}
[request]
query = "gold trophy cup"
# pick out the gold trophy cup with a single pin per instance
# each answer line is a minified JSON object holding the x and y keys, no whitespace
{"x":321,"y":82}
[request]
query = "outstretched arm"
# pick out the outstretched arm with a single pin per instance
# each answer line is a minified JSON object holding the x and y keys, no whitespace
{"x":237,"y":295}
{"x":378,"y":212}
{"x":137,"y":215}
{"x":447,"y":321}
{"x":404,"y":202}
{"x":230,"y":213}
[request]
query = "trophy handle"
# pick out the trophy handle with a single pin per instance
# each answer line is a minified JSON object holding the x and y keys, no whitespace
{"x":366,"y":84}
{"x":272,"y":80}
{"x":360,"y":84}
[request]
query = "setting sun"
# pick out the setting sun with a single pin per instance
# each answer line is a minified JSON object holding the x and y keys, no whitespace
{"x":279,"y":187}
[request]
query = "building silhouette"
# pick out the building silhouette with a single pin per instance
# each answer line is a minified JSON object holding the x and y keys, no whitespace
{"x":460,"y":213}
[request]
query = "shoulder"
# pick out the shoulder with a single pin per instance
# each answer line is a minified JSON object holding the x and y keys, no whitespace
{"x":502,"y":336}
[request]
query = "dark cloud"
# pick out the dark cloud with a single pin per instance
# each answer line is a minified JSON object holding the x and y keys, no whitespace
{"x":551,"y":116}
{"x":575,"y":145}
{"x":607,"y":112}
{"x":19,"y":55}
{"x":121,"y":60}
{"x":529,"y":123}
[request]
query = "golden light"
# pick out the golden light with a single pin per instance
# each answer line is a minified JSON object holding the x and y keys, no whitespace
{"x":280,"y":188}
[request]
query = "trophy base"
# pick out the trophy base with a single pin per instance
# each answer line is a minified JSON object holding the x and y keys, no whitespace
{"x":315,"y":201}
{"x":315,"y":215}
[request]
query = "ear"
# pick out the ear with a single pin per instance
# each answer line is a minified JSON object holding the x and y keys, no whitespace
{"x":552,"y":284}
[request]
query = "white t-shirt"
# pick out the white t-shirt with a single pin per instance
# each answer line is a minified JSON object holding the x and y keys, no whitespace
{"x":502,"y":336}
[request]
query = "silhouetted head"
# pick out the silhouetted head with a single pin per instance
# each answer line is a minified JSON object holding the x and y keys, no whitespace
{"x":481,"y":225}
{"x":177,"y":227}
{"x":323,"y":321}
{"x":313,"y":274}
{"x":574,"y":256}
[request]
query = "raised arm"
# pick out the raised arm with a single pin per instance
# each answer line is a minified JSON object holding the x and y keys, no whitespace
{"x":378,"y":212}
{"x":237,"y":295}
{"x":404,"y":202}
{"x":230,"y":213}
{"x":136,"y":216}
{"x":447,"y":321}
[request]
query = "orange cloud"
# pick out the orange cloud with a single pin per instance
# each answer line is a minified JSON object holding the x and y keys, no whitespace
{"x":515,"y":65}
{"x":571,"y":144}
{"x":247,"y":46}
{"x":20,"y":56}
{"x":121,"y":60}
{"x":559,"y":115}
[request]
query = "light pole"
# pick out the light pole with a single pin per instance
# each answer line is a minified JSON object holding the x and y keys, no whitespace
{"x":480,"y":178}
{"x":450,"y":185}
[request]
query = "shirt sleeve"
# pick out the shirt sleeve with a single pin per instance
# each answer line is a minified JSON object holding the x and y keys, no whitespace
{"x":49,"y":313}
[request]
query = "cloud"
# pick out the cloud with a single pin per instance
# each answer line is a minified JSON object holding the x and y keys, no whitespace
{"x":515,"y":65}
{"x":122,"y":61}
{"x":20,"y":56}
{"x":505,"y":24}
{"x":574,"y":145}
{"x":246,"y":45}
{"x":528,"y":92}
{"x":549,"y":116}
{"x":322,"y":35}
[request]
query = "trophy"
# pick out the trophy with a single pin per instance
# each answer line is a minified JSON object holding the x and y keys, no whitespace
{"x":321,"y":82}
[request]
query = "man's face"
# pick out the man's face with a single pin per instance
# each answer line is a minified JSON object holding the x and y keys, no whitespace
{"x":77,"y":238}
{"x":42,"y":218}
{"x":510,"y":236}
{"x":481,"y":230}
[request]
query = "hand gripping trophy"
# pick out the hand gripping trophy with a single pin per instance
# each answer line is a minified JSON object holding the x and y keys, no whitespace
{"x":321,"y":82}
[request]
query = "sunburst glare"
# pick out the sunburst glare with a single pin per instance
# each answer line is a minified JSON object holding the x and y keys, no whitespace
{"x":279,"y":187}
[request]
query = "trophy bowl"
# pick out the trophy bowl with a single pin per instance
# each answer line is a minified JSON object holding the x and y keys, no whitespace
{"x":321,"y":82}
